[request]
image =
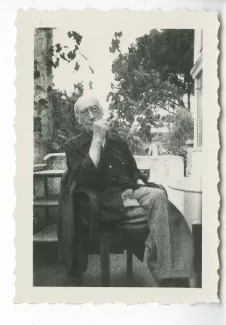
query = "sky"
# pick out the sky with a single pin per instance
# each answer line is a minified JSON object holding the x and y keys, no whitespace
{"x":95,"y":46}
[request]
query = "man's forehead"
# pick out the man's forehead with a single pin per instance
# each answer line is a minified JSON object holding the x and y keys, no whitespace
{"x":87,"y":102}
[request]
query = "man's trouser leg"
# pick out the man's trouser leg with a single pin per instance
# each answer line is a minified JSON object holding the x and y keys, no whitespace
{"x":169,"y":243}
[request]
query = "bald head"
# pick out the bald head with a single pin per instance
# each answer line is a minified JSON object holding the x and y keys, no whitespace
{"x":85,"y":101}
{"x":88,"y":110}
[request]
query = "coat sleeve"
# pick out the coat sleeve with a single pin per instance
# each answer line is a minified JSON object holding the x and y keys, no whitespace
{"x":81,"y":166}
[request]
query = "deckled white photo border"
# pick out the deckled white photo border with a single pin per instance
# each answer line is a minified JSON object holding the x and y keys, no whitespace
{"x":26,"y":21}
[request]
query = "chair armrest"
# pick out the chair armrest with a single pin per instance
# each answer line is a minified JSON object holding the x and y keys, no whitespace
{"x":92,"y":217}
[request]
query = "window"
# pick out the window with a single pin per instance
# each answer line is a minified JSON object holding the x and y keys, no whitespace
{"x":199,"y":109}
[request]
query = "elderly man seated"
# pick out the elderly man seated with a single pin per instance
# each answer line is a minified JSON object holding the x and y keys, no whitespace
{"x":102,"y":161}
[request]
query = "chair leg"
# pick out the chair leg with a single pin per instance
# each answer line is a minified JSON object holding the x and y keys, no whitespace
{"x":105,"y":261}
{"x":80,"y":266}
{"x":129,"y":262}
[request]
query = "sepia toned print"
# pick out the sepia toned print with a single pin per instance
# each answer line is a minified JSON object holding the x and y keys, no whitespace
{"x":120,"y":122}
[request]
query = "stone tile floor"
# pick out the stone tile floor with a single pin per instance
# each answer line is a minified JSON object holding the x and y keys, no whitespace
{"x":48,"y":272}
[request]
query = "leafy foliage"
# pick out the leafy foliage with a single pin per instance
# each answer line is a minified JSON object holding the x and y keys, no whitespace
{"x":77,"y":37}
{"x":171,"y":53}
{"x":183,"y":129}
{"x":44,"y":100}
{"x":154,"y":74}
{"x":59,"y":51}
{"x":65,"y":125}
{"x":115,"y":42}
{"x":131,"y":136}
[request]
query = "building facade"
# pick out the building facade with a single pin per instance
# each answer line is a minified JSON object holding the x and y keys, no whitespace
{"x":197,"y":74}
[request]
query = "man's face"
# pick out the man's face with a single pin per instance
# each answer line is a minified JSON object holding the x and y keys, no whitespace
{"x":88,"y":113}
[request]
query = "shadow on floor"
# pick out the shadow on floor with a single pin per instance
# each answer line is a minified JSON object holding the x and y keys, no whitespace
{"x":47,"y":272}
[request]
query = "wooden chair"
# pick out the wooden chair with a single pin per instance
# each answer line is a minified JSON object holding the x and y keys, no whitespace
{"x":109,"y":240}
{"x":109,"y":237}
{"x":90,"y":230}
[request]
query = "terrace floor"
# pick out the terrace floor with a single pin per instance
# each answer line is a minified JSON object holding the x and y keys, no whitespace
{"x":48,"y":272}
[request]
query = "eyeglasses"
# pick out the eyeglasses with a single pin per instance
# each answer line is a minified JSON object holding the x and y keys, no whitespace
{"x":93,"y":109}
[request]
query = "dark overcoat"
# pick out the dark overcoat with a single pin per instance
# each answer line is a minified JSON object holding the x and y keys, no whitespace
{"x":117,"y":171}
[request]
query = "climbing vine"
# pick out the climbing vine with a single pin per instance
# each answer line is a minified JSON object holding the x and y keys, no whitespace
{"x":44,"y":62}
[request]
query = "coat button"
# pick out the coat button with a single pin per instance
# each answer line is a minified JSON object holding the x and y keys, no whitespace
{"x":110,"y":166}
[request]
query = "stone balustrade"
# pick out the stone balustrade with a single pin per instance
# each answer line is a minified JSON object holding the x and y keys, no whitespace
{"x":162,"y":169}
{"x":184,"y":192}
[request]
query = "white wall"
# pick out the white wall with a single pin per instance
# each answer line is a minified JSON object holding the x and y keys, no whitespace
{"x":196,"y":169}
{"x":197,"y":44}
{"x":197,"y":164}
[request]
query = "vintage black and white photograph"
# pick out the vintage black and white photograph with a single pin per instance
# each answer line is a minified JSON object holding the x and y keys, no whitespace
{"x":118,"y":162}
{"x":117,"y":158}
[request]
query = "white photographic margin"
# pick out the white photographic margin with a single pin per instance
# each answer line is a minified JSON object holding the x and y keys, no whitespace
{"x":26,"y":22}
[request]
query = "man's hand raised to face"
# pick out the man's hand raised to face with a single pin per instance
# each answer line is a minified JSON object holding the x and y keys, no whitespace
{"x":100,"y":129}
